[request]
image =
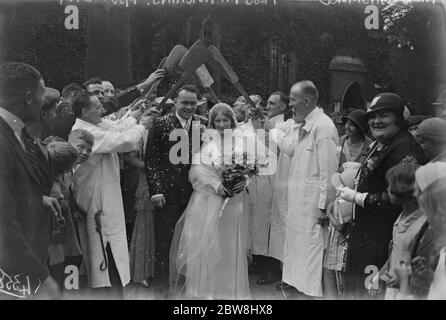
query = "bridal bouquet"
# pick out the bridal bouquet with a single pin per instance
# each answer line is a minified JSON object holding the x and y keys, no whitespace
{"x":234,"y":173}
{"x":240,"y":167}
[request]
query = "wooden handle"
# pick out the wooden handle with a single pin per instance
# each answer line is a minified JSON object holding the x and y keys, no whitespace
{"x":171,"y":91}
{"x":213,"y":95}
{"x":152,"y":88}
{"x":244,"y":93}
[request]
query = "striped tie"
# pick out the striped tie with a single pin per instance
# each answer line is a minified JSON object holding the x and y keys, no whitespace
{"x":301,"y":130}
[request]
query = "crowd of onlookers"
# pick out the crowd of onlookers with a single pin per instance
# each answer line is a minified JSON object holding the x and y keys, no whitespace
{"x":357,"y":216}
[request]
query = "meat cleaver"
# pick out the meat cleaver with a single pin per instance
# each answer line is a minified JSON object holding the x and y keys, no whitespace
{"x":206,"y":81}
{"x":197,"y":55}
{"x":220,"y":63}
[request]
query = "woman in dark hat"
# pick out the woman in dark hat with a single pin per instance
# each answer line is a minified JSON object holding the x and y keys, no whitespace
{"x":353,"y":146}
{"x":374,"y":215}
{"x":354,"y":142}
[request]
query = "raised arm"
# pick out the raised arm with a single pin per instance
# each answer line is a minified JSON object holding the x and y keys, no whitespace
{"x":127,"y":96}
{"x":108,"y":141}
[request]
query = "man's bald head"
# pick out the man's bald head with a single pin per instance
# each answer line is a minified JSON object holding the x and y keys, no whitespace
{"x":303,"y":98}
{"x":307,"y":88}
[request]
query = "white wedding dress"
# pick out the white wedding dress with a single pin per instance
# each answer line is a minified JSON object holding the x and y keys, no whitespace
{"x":208,"y":258}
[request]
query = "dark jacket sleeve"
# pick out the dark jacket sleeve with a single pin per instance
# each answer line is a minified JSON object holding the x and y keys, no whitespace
{"x":16,"y":254}
{"x":404,"y":147}
{"x":425,"y":247}
{"x":153,"y":158}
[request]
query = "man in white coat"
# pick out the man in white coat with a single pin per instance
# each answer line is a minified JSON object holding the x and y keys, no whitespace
{"x":268,"y":221}
{"x":309,"y":191}
{"x":98,"y":193}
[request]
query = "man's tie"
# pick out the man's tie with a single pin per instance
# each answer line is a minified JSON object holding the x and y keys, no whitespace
{"x":301,"y":130}
{"x":187,"y":125}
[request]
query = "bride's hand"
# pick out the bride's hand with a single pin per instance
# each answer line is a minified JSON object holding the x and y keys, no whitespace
{"x":239,"y":187}
{"x":222,"y":191}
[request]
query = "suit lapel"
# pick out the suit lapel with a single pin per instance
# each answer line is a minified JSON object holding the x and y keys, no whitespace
{"x":176,"y":122}
{"x":9,"y":135}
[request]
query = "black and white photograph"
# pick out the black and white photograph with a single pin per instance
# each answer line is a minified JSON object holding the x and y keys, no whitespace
{"x":238,"y":151}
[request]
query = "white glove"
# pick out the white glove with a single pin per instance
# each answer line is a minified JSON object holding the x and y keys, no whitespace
{"x":346,"y":193}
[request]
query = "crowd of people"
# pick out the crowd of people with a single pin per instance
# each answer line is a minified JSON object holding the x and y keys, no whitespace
{"x":109,"y":183}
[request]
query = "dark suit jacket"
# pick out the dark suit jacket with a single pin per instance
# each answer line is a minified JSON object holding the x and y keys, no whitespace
{"x":163,"y":176}
{"x":24,"y":227}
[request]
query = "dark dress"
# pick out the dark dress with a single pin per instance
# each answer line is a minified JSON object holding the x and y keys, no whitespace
{"x":372,"y":229}
{"x":171,"y":180}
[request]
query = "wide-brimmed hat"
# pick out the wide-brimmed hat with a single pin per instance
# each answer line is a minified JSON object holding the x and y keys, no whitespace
{"x":358,"y":117}
{"x":387,"y":101}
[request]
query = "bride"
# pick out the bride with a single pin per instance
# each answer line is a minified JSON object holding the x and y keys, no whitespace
{"x":208,"y":257}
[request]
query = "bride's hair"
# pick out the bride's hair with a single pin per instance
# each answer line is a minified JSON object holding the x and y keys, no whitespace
{"x":225,"y":110}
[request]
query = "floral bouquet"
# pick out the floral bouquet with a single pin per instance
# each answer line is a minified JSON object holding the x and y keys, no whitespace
{"x":239,"y":168}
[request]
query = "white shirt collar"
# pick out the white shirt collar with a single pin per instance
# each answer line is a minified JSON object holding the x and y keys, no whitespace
{"x":312,"y":115}
{"x":278,"y":118}
{"x":84,"y":123}
{"x":181,"y":119}
{"x":311,"y":118}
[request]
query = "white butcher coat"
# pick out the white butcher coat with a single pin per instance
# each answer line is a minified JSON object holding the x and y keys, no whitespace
{"x":287,"y":138}
{"x":259,"y":206}
{"x":97,"y":187}
{"x":315,"y":160}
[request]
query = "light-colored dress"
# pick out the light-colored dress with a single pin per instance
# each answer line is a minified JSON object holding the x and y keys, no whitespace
{"x":210,"y":246}
{"x":142,"y":246}
{"x":405,"y":230}
{"x":280,"y":189}
{"x":261,"y":206}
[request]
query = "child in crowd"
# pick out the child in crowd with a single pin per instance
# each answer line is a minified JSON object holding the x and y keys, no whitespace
{"x":430,"y":268}
{"x":401,"y":181}
{"x":82,"y":141}
{"x":64,"y":240}
{"x":340,"y":214}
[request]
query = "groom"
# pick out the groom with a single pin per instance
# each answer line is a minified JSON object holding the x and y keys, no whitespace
{"x":168,"y":182}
